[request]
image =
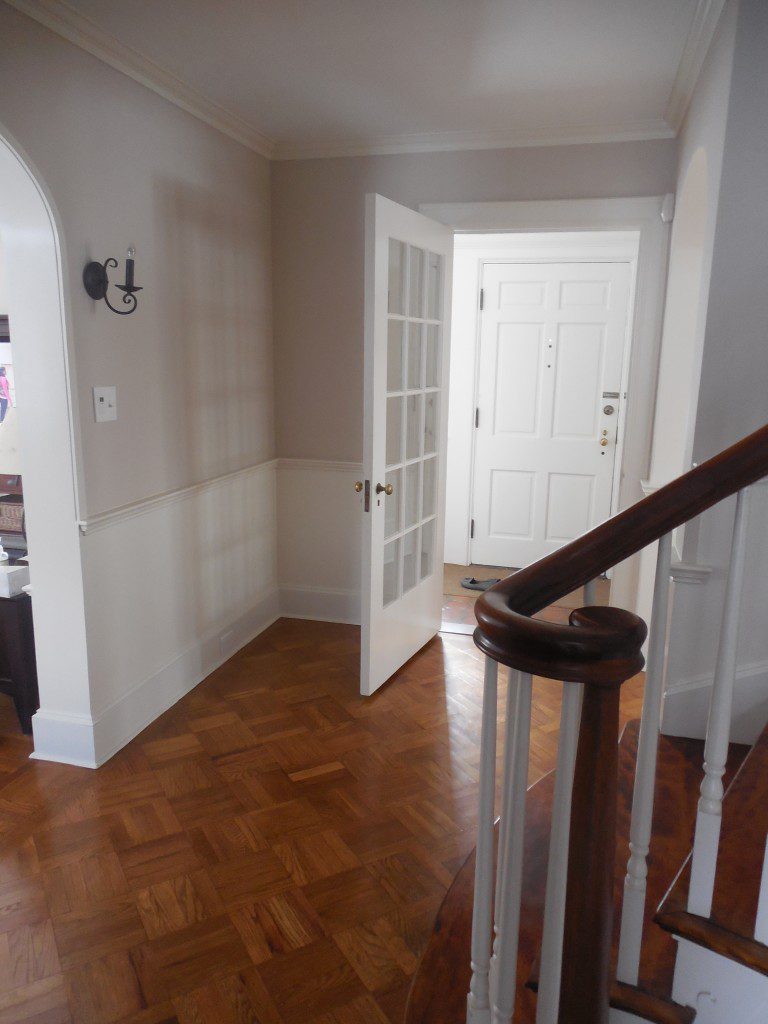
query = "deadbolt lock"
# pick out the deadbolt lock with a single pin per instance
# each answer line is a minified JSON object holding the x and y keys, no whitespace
{"x":608,"y":410}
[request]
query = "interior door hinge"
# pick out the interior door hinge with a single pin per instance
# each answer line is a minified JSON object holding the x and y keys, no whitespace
{"x":482,"y":297}
{"x":477,"y":416}
{"x":471,"y":529}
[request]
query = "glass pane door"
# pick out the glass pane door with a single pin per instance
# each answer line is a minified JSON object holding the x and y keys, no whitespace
{"x":414,"y":397}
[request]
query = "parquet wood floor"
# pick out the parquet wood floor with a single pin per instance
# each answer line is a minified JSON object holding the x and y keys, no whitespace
{"x":272,"y":850}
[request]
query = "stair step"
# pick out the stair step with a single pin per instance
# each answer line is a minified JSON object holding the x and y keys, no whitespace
{"x":633,"y":999}
{"x":730,"y":928}
{"x":438,"y":994}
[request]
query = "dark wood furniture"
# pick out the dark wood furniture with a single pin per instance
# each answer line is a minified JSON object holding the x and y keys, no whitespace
{"x":18,"y":668}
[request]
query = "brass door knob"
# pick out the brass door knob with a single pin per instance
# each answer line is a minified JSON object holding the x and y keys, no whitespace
{"x":358,"y":485}
{"x":386,"y":489}
{"x":603,"y":442}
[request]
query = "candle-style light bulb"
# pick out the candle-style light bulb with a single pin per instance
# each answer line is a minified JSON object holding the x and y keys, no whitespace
{"x":129,"y":268}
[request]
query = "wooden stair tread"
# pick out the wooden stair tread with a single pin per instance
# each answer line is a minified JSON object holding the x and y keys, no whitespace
{"x":730,"y":928}
{"x":633,"y":999}
{"x":438,"y":994}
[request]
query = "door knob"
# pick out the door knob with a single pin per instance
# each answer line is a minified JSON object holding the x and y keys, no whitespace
{"x":603,"y":442}
{"x":358,"y":485}
{"x":386,"y":489}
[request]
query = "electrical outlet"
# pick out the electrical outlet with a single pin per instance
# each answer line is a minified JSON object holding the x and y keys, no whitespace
{"x":105,"y":404}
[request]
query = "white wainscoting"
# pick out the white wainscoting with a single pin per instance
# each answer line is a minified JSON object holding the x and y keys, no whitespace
{"x":319,"y":539}
{"x":174,"y":586}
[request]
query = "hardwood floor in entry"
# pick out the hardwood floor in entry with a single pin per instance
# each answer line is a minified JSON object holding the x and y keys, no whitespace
{"x":273,"y":850}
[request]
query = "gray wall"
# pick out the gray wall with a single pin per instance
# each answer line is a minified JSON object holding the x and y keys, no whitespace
{"x":123,"y":166}
{"x":318,"y":222}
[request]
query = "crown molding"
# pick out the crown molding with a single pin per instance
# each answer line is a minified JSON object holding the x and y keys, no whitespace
{"x":700,"y":35}
{"x":60,"y":18}
{"x":435,"y":142}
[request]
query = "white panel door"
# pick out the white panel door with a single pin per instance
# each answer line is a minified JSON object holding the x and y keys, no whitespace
{"x":552,"y":339}
{"x":408,"y":263}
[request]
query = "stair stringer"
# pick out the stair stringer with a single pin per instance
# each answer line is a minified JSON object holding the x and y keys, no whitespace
{"x":721,"y":990}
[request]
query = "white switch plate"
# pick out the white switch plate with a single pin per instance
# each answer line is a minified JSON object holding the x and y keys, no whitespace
{"x":105,"y":404}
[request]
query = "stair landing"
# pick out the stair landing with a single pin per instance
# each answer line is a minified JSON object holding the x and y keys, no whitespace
{"x":438,"y":995}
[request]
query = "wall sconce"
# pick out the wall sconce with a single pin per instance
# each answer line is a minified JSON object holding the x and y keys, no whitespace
{"x":96,"y":283}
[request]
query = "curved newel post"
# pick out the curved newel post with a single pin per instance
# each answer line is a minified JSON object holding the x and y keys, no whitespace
{"x":709,"y":815}
{"x":478,"y":998}
{"x":633,"y":906}
{"x":588,"y":929}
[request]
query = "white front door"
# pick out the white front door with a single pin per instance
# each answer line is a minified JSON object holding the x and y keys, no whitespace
{"x":552,"y":339}
{"x":408,"y":264}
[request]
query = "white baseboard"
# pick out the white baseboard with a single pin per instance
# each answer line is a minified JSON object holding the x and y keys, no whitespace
{"x":686,"y":705}
{"x":79,"y":740}
{"x":320,"y":604}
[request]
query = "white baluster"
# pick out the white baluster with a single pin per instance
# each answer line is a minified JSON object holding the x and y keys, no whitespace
{"x":478,"y":998}
{"x":548,"y":1002}
{"x":510,"y":881}
{"x":633,"y":906}
{"x":507,"y":792}
{"x":709,"y":816}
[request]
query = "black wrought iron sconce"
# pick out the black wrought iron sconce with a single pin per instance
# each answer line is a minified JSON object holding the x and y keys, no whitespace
{"x":96,"y":283}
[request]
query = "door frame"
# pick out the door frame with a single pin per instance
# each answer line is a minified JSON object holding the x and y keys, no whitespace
{"x":646,"y":219}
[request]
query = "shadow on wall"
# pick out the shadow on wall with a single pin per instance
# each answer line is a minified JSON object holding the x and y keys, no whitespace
{"x":216,"y":347}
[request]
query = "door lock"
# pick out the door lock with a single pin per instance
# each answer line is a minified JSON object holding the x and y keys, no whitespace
{"x":608,"y":410}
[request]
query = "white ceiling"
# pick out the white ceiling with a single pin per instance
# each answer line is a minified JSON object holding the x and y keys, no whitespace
{"x":323,"y":77}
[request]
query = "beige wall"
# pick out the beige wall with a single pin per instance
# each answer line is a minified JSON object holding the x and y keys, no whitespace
{"x":318,"y":208}
{"x":193,"y":366}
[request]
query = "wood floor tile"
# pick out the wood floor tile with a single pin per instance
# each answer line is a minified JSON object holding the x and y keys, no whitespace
{"x":224,"y":1001}
{"x":93,"y":932}
{"x":350,"y":898}
{"x":314,"y":980}
{"x":28,"y":954}
{"x":42,"y":1002}
{"x":22,"y":902}
{"x":250,"y":878}
{"x":104,"y":991}
{"x":181,"y":961}
{"x":158,"y":860}
{"x":173,"y":905}
{"x":310,"y":858}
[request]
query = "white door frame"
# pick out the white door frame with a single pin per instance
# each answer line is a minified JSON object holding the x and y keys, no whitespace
{"x":641,"y":217}
{"x":49,"y":448}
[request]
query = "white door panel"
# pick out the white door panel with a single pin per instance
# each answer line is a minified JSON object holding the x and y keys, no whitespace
{"x":552,"y":340}
{"x":407,"y":303}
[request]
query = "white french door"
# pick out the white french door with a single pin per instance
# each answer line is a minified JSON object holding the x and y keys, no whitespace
{"x":552,"y":339}
{"x":408,"y":266}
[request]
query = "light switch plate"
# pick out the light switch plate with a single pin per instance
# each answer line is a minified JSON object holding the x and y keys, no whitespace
{"x":105,"y":404}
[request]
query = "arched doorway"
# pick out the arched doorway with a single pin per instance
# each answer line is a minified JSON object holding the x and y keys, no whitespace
{"x":48,"y":429}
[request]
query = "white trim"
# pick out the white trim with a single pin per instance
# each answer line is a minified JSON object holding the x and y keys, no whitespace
{"x":328,"y":465}
{"x":685,"y":572}
{"x":700,"y":35}
{"x":686,"y":704}
{"x":59,"y":737}
{"x":507,"y":138}
{"x":77,"y":29}
{"x":641,"y":214}
{"x":101,"y":520}
{"x":321,"y":604}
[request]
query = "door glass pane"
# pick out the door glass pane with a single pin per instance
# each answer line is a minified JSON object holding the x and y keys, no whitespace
{"x":411,"y":495}
{"x":391,"y":570}
{"x":394,"y":430}
{"x":430,"y":422}
{"x":410,"y":559}
{"x":416,"y":289}
{"x":396,"y":276}
{"x":395,"y":330}
{"x":414,"y":407}
{"x":392,"y":502}
{"x":427,"y":549}
{"x":429,"y":488}
{"x":414,"y":356}
{"x":434,"y":282}
{"x":433,"y":357}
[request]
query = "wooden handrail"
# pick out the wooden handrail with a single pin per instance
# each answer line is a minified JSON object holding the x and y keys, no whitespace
{"x":594,"y":650}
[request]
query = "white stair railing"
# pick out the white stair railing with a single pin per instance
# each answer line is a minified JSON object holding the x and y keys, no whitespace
{"x":633,"y":905}
{"x":710,"y":809}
